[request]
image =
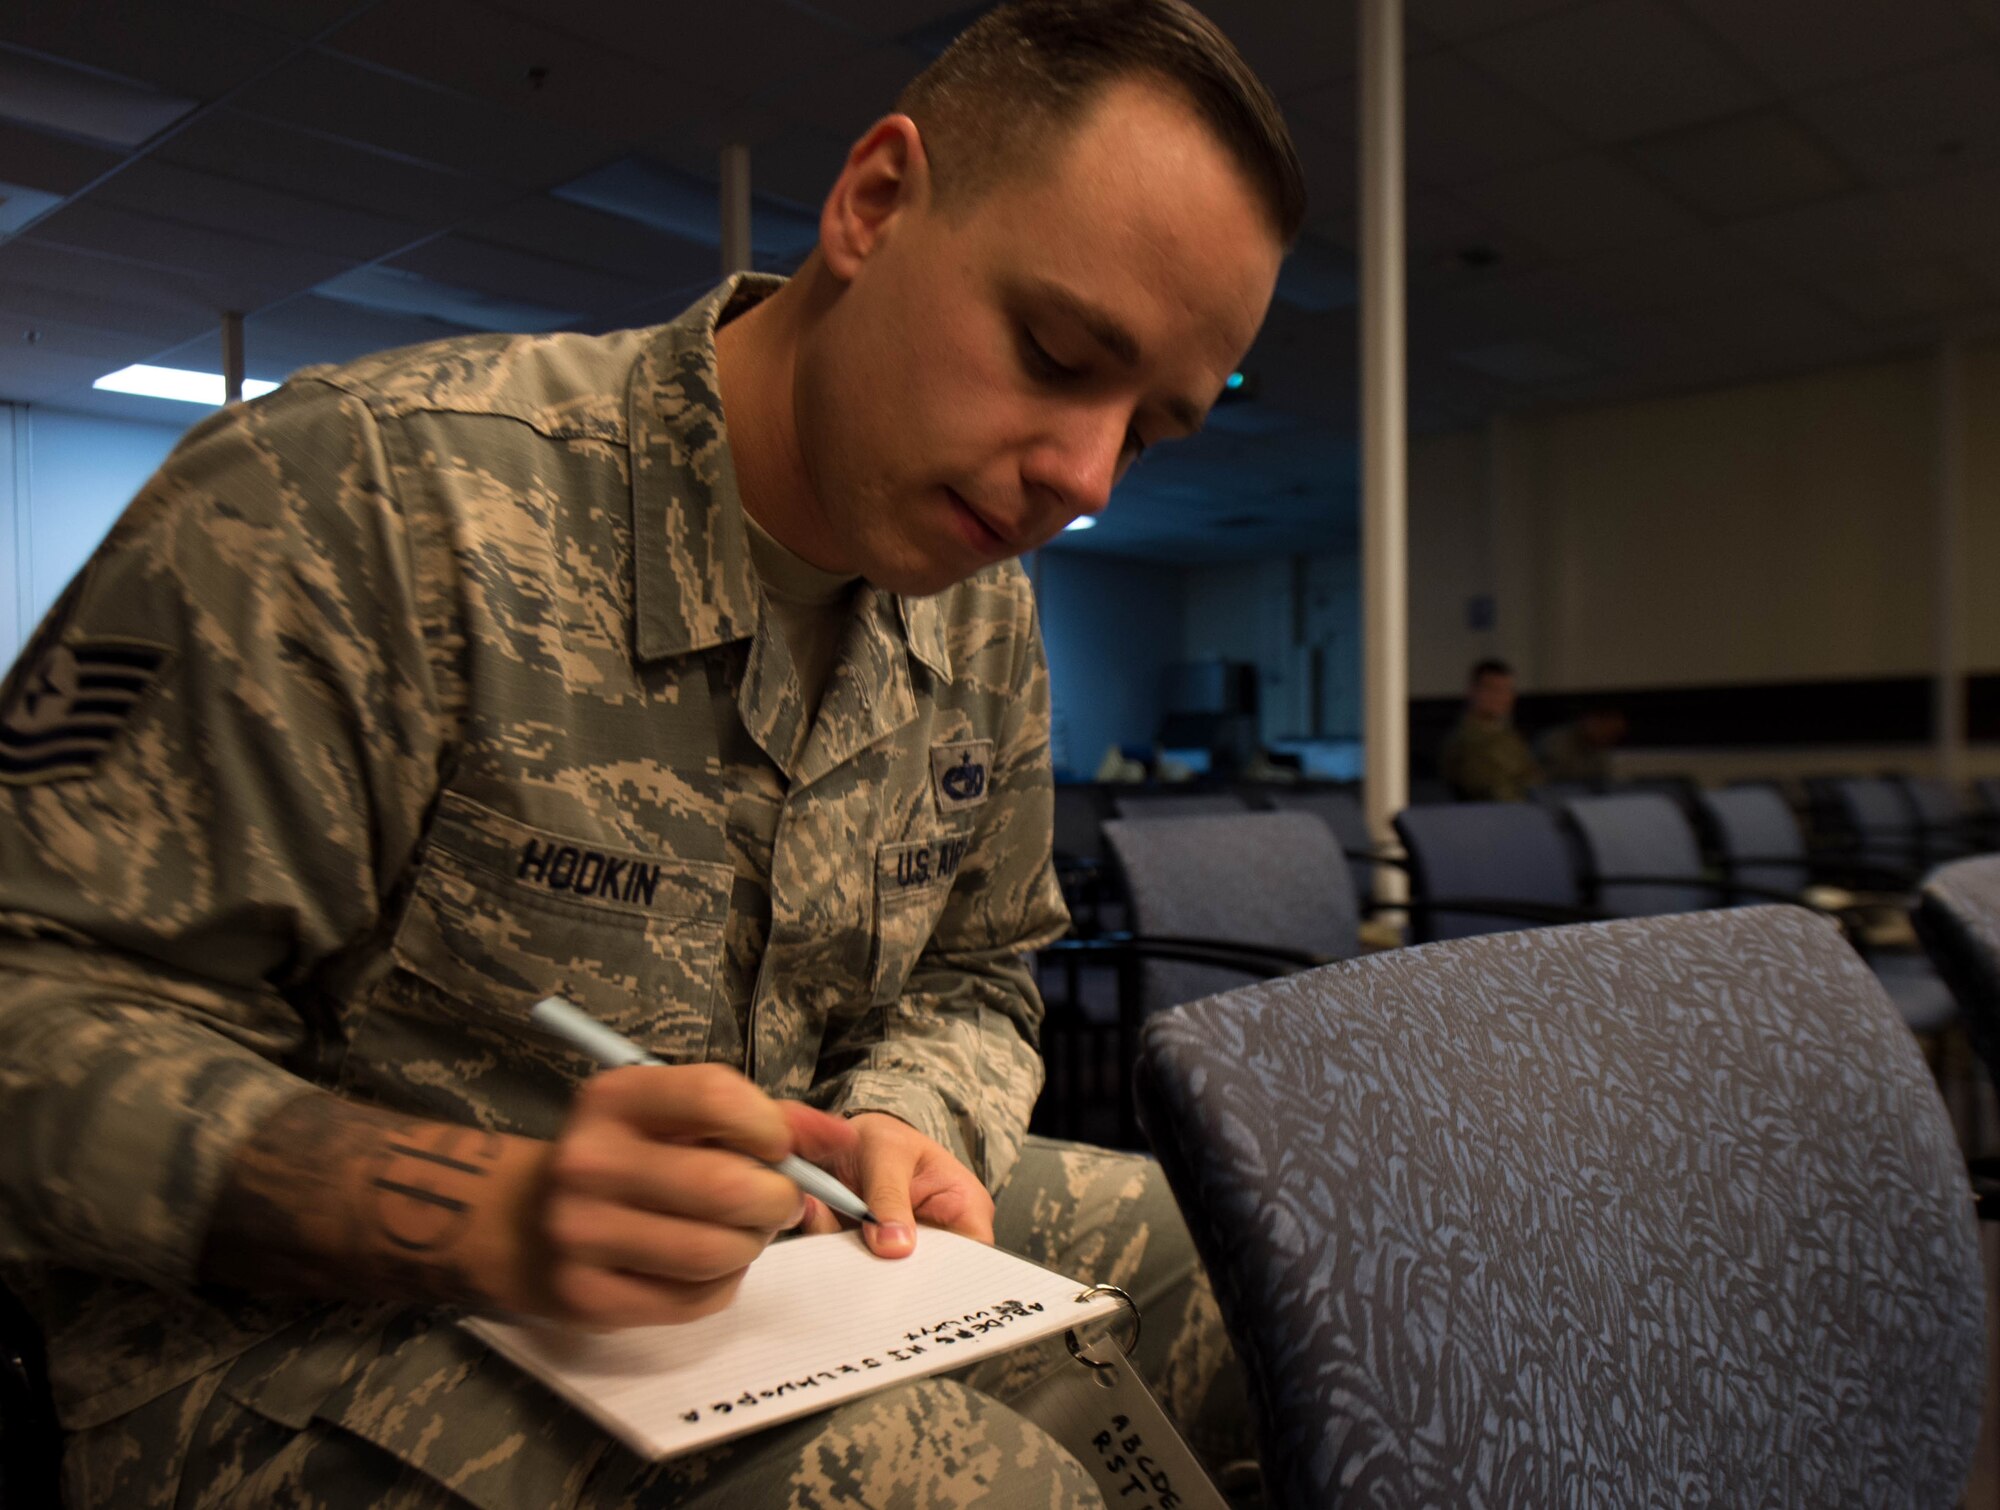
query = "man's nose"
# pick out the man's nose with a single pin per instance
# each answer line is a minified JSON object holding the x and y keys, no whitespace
{"x":1080,"y":463}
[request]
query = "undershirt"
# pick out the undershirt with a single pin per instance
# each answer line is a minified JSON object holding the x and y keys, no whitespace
{"x":808,"y":605}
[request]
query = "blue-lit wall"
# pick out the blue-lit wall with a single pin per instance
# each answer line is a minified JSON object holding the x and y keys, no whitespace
{"x":64,"y":480}
{"x":1111,"y":628}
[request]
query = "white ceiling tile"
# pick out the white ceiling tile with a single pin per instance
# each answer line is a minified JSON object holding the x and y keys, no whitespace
{"x":189,"y":197}
{"x":375,"y":109}
{"x":884,"y":20}
{"x":104,"y":293}
{"x":576,"y":234}
{"x":1922,"y":290}
{"x":1805,"y":44}
{"x":279,"y":156}
{"x":301,"y":18}
{"x":1460,"y":20}
{"x":240,"y":273}
{"x":1743,"y":165}
{"x":49,"y":163}
{"x":529,"y":69}
{"x":1658,"y":275}
{"x":1855,"y":228}
{"x":851,"y":93}
{"x":1297,"y":47}
{"x":184,"y":47}
{"x":465,"y":263}
{"x":1616,"y":69}
{"x":1583,"y":204}
{"x":1955,"y":216}
{"x":1923,"y":123}
{"x":1459,"y":123}
{"x":738,"y":50}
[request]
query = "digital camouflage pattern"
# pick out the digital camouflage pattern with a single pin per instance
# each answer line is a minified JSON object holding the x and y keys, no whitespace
{"x":352,"y":1408}
{"x":1487,"y":762}
{"x":458,"y":690}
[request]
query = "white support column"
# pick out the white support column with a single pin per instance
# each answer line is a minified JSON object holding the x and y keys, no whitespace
{"x":1384,"y":426}
{"x":232,"y":358}
{"x":1949,"y":717}
{"x":735,"y":209}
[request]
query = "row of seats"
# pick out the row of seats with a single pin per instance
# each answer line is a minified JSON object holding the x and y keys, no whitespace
{"x":1290,"y":886}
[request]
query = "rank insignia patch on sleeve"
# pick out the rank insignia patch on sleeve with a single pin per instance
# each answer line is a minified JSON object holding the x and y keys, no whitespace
{"x":959,"y":773}
{"x":68,"y":708}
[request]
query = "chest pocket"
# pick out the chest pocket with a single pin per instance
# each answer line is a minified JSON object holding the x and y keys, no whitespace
{"x":912,"y":881}
{"x":503,"y":914}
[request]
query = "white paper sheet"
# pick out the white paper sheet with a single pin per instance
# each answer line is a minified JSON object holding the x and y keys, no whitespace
{"x":818,"y":1320}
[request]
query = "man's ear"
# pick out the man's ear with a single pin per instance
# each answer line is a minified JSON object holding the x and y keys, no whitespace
{"x":887,"y":173}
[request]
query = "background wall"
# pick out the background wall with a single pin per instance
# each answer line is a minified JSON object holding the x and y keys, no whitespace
{"x":1111,"y":628}
{"x":64,"y":479}
{"x":1782,"y":531}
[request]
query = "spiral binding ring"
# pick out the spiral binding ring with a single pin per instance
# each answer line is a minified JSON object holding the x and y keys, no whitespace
{"x":1069,"y":1336}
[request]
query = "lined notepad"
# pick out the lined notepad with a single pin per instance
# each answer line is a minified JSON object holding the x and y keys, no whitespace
{"x":818,"y":1320}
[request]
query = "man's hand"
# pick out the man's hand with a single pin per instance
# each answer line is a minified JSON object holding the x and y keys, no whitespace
{"x":905,"y":1178}
{"x":652,"y":1211}
{"x":646,"y":1209}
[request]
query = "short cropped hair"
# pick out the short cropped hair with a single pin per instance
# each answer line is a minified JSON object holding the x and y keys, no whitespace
{"x":1039,"y":64}
{"x":1490,"y":667}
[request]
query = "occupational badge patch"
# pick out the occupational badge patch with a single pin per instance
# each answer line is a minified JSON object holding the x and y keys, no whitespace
{"x":68,"y":706}
{"x":959,"y":772}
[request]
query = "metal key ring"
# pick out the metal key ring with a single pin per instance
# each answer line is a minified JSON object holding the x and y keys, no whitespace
{"x":1069,"y":1336}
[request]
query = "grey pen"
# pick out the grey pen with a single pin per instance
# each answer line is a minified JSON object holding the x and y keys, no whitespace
{"x":612,"y":1049}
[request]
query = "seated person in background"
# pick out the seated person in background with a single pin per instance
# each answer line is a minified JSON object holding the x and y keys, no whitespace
{"x":1484,"y":758}
{"x":630,"y":666}
{"x":1580,"y":750}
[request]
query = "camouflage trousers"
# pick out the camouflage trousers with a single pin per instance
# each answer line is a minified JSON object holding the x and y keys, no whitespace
{"x":357,"y":1408}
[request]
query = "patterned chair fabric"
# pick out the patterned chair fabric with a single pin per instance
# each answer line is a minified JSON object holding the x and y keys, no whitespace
{"x":1178,"y":804}
{"x":1639,"y":834}
{"x":1247,"y":878}
{"x":1752,"y":824}
{"x":1656,"y":1212}
{"x":1491,"y":851}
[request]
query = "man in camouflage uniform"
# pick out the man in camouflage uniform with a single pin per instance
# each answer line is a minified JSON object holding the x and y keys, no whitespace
{"x":685,"y":672}
{"x":1484,"y":758}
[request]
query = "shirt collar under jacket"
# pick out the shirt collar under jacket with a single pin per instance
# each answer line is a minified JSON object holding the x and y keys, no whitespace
{"x":694,"y":579}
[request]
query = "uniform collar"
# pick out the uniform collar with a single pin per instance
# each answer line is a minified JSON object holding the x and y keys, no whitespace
{"x":695,"y":584}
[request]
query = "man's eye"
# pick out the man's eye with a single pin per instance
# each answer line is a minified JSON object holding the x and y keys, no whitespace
{"x":1039,"y":362}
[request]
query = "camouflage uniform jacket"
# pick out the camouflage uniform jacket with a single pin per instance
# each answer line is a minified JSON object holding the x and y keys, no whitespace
{"x":1487,"y":762}
{"x":426,"y":686}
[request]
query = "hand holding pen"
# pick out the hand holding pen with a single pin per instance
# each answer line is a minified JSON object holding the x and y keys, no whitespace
{"x":612,"y":1049}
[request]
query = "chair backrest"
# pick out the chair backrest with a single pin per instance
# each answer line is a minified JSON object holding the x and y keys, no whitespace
{"x":1883,"y":822}
{"x":1177,"y":804}
{"x":1941,"y":814}
{"x":1639,"y":834}
{"x":1553,"y":794}
{"x":1246,"y":878}
{"x":1760,"y":841}
{"x":1489,"y":851}
{"x":1661,"y":1211}
{"x":1958,"y":918}
{"x":1341,"y":812}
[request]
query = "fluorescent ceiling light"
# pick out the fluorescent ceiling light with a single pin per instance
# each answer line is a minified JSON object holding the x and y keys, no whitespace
{"x":1081,"y":522}
{"x":176,"y":383}
{"x":57,"y":97}
{"x":20,"y":207}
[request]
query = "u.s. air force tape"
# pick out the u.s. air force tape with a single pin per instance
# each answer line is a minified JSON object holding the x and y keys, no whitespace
{"x":69,"y":706}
